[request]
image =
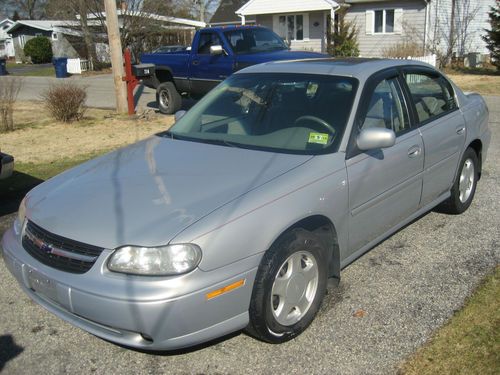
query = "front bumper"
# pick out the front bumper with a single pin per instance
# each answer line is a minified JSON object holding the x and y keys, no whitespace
{"x":143,"y":312}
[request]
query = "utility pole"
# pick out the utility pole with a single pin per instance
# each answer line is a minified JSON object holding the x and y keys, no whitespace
{"x":115,"y":47}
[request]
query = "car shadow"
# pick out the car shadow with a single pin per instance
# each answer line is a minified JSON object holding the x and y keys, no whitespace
{"x":13,"y":190}
{"x":8,"y":350}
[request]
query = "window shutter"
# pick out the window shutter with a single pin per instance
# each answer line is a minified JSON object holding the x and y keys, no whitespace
{"x":370,"y":14}
{"x":306,"y":26}
{"x":398,"y":20}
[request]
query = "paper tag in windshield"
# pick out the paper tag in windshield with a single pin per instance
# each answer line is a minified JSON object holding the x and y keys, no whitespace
{"x":319,"y":138}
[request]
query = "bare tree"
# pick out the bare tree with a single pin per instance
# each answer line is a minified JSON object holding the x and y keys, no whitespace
{"x":9,"y":89}
{"x":451,"y":33}
{"x":30,"y":9}
{"x":465,"y":12}
{"x":199,"y":9}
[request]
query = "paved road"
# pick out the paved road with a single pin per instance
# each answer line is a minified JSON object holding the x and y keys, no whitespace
{"x":408,"y":286}
{"x":100,"y":90}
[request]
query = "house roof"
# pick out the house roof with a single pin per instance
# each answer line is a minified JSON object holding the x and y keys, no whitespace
{"x":152,"y":16}
{"x":6,"y":20}
{"x":45,"y":25}
{"x":226,"y":12}
{"x":285,"y":6}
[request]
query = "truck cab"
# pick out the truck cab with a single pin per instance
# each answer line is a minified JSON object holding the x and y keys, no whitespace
{"x":215,"y":54}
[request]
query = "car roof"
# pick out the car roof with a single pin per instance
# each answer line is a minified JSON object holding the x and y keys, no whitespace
{"x":360,"y":68}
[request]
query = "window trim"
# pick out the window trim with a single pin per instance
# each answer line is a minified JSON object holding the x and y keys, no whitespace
{"x":305,"y":22}
{"x":426,"y":71}
{"x":364,"y":101}
{"x":384,"y":11}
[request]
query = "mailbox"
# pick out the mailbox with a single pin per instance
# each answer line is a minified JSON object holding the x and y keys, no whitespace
{"x":143,"y":70}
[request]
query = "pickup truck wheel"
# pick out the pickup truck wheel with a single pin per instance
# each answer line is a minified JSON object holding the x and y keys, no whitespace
{"x":289,"y":287}
{"x":168,"y":99}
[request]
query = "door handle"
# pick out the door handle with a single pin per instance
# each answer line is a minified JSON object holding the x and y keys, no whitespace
{"x":196,"y":62}
{"x":414,"y":151}
{"x":461,"y":130}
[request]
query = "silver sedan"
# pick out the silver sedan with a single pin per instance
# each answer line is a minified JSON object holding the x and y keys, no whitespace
{"x":238,"y":216}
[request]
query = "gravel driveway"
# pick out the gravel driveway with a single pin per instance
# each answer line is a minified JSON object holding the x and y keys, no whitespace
{"x":388,"y":304}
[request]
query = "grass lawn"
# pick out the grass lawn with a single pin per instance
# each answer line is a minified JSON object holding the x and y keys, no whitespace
{"x":469,"y":343}
{"x":485,"y":81}
{"x":29,"y":70}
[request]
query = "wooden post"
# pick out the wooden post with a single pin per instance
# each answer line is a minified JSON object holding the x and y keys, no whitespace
{"x":115,"y":47}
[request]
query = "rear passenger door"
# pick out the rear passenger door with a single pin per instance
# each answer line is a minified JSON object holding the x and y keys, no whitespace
{"x":384,"y":184}
{"x":442,"y":127}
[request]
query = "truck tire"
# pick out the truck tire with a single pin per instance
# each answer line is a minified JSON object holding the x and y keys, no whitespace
{"x":168,"y":99}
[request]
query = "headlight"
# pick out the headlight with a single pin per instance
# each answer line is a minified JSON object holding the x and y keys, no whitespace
{"x":21,"y":215}
{"x":155,"y":261}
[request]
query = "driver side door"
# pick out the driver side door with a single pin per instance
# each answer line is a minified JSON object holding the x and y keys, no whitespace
{"x":385,"y":185}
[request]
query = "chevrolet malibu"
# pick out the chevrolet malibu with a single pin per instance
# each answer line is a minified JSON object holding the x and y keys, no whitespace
{"x":240,"y":214}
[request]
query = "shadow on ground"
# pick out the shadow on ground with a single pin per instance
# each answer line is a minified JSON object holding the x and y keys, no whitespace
{"x":13,"y":189}
{"x":8,"y":350}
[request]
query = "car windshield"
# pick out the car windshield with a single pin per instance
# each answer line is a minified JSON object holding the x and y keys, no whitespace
{"x":254,"y":40}
{"x":291,"y":113}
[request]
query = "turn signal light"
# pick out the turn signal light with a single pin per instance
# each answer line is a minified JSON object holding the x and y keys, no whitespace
{"x":226,"y":289}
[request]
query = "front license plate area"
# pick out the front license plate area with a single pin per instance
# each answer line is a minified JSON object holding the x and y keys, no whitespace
{"x":42,"y":285}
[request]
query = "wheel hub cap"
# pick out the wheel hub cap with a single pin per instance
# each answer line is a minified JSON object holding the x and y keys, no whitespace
{"x":466,"y":182}
{"x":294,"y":288}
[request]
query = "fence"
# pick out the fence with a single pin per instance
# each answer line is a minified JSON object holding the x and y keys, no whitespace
{"x":431,"y":59}
{"x":77,"y":66}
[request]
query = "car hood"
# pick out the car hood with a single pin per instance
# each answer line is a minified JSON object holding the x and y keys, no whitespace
{"x":148,"y":192}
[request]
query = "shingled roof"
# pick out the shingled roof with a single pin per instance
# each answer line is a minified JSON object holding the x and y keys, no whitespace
{"x":225,"y":13}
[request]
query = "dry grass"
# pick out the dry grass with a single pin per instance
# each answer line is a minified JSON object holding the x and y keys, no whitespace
{"x":483,"y":84}
{"x":38,"y":139}
{"x":469,"y":343}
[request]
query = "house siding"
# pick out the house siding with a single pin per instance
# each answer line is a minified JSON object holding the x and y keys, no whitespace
{"x":315,"y":42}
{"x":60,"y":47}
{"x":374,"y":45}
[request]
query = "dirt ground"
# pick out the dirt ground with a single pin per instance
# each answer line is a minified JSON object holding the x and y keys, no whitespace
{"x":39,"y":139}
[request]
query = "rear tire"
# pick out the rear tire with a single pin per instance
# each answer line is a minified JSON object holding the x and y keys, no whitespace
{"x":289,"y":287}
{"x":464,"y":187}
{"x":168,"y":99}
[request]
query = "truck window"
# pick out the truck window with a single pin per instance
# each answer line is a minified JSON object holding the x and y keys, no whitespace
{"x":206,"y":41}
{"x":254,"y":40}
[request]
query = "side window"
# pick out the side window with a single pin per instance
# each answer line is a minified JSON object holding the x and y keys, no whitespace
{"x":431,"y":94}
{"x":206,"y":41}
{"x":387,"y":108}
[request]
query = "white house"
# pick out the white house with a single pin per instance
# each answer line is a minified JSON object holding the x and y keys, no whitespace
{"x":6,"y":43}
{"x":380,"y":23}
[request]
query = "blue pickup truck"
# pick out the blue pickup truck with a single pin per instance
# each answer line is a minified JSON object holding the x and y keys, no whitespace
{"x":215,"y":54}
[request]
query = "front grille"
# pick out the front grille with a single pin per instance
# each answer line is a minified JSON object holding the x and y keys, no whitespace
{"x":59,"y":252}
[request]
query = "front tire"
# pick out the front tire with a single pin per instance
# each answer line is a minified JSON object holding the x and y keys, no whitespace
{"x":464,"y":187}
{"x":289,"y":287}
{"x":168,"y":99}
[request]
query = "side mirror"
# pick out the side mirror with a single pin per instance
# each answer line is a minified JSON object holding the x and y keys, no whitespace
{"x":216,"y":50}
{"x":374,"y":138}
{"x":179,"y":114}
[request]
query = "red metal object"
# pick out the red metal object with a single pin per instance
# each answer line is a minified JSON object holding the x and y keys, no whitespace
{"x":131,"y":80}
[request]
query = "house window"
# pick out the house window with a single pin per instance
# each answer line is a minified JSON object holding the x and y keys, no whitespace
{"x":38,"y":34}
{"x":54,"y":36}
{"x":291,"y":27}
{"x":22,"y":40}
{"x":384,"y":21}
